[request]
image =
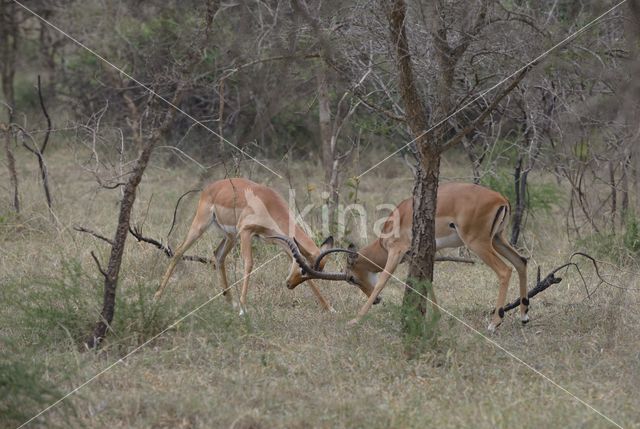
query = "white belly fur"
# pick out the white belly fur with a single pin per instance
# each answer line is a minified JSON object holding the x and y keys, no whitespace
{"x":448,"y":241}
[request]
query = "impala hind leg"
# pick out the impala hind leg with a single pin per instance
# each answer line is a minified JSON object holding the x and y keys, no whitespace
{"x":200,"y":223}
{"x":221,"y":254}
{"x":247,"y":259}
{"x":393,"y":259}
{"x":485,"y":251}
{"x":520,"y":264}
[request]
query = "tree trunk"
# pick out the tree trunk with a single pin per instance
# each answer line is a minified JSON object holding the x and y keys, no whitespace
{"x":328,"y":143}
{"x":115,"y":259}
{"x":425,"y":186}
{"x":124,"y":217}
{"x":9,"y":46}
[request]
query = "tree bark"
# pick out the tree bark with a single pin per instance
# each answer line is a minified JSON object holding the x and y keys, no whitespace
{"x":425,"y":184}
{"x":9,"y":46}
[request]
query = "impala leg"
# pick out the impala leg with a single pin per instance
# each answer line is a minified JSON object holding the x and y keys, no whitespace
{"x":247,"y":259}
{"x":221,"y":253}
{"x":520,"y":264}
{"x":485,"y":251}
{"x":199,"y":225}
{"x":393,"y":259}
{"x":323,"y":302}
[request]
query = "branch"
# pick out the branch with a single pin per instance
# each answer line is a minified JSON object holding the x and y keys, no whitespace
{"x":472,"y":126}
{"x":551,"y":279}
{"x":95,"y":258}
{"x":95,"y":234}
{"x":454,"y":259}
{"x":166,"y":249}
{"x":46,"y":115}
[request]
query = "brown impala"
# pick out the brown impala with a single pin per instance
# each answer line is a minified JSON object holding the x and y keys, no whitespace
{"x":242,"y":209}
{"x":466,"y":215}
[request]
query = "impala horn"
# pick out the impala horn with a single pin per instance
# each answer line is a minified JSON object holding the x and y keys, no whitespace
{"x":351,"y":251}
{"x":306,"y":269}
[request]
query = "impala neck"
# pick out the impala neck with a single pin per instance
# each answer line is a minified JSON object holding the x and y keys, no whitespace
{"x":373,"y":257}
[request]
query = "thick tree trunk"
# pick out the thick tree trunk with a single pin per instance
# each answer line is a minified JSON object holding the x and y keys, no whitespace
{"x":425,"y":186}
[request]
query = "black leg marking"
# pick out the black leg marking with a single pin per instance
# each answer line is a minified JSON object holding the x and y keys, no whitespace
{"x":525,"y":301}
{"x":501,"y":312}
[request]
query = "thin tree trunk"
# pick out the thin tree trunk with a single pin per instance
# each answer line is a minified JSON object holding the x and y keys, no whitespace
{"x":328,"y":142}
{"x":519,"y":181}
{"x":126,"y":205}
{"x":115,"y":259}
{"x":9,"y":46}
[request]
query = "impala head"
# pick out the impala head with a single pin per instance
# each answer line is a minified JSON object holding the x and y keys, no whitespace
{"x":298,"y":274}
{"x":356,"y":272}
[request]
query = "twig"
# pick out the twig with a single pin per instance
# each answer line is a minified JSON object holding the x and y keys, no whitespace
{"x":95,"y":234}
{"x":95,"y":258}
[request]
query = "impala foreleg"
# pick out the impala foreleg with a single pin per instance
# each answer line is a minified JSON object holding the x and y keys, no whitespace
{"x":198,"y":227}
{"x":247,"y":259}
{"x":321,"y":299}
{"x":393,"y":259}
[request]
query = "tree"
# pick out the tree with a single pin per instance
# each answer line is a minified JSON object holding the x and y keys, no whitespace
{"x":430,"y":144}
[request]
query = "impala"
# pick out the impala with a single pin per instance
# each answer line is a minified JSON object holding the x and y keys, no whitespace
{"x":242,"y":209}
{"x":466,"y":214}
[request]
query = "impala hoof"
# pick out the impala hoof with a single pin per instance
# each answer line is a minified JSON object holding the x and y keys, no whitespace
{"x":524,"y":318}
{"x":332,"y":310}
{"x":492,"y":327}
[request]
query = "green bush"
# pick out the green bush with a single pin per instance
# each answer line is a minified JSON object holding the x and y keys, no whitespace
{"x":24,"y":392}
{"x":540,"y":196}
{"x":631,"y":237}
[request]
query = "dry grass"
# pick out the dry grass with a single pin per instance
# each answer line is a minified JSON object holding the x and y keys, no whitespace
{"x":288,"y":364}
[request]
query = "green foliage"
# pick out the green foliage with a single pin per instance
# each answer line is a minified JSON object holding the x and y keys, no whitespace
{"x":24,"y":392}
{"x":58,"y":306}
{"x":631,"y":237}
{"x":540,"y":196}
{"x":622,"y":248}
{"x":419,"y":323}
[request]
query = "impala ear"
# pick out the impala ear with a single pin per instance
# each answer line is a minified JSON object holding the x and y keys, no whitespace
{"x":327,"y":243}
{"x":351,"y":257}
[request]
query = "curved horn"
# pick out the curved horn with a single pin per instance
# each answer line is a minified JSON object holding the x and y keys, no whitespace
{"x":306,"y":269}
{"x":316,"y":264}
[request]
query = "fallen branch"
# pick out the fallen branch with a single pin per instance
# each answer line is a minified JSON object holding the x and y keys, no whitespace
{"x":454,"y":259}
{"x":551,"y":279}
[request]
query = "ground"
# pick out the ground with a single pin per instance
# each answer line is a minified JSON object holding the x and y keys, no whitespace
{"x":288,"y":363}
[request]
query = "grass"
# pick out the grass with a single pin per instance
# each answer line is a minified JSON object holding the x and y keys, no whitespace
{"x":288,"y":364}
